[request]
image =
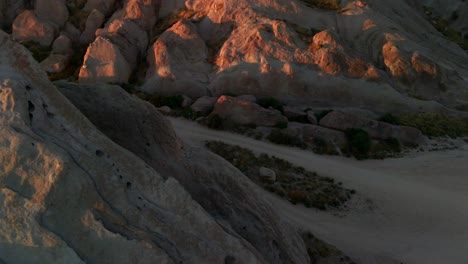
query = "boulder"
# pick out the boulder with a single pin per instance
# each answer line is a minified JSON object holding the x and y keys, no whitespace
{"x":53,"y":11}
{"x":204,"y":105}
{"x":94,"y":21}
{"x":178,"y":62}
{"x":62,"y":45}
{"x":27,"y":27}
{"x":55,"y":63}
{"x":104,"y":6}
{"x":310,"y":134}
{"x":104,"y":62}
{"x":187,"y":101}
{"x":311,"y":117}
{"x":378,"y":130}
{"x":246,"y":113}
{"x":292,"y":112}
{"x":267,"y":174}
{"x":165,"y":110}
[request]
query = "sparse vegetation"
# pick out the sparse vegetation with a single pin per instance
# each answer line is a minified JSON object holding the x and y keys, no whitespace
{"x":270,"y":102}
{"x":389,"y":118}
{"x":293,"y":183}
{"x":359,"y":143}
{"x":436,"y":125}
{"x":277,"y":136}
{"x":174,"y":101}
{"x":443,"y":26}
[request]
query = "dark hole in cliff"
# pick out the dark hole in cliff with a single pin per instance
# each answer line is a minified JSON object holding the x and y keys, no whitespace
{"x":44,"y":106}
{"x":31,"y":106}
{"x":129,"y":185}
{"x":99,"y":153}
{"x":31,"y":116}
{"x":28,"y":88}
{"x":50,"y":115}
{"x":139,"y":198}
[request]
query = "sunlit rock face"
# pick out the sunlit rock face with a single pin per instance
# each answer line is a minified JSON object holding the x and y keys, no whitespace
{"x":79,"y":190}
{"x":353,"y":53}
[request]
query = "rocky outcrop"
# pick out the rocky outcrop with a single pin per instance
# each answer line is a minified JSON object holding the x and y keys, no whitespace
{"x":217,"y":188}
{"x":28,"y":27}
{"x":53,"y":11}
{"x":379,"y":130}
{"x":246,"y":113}
{"x":178,"y":62}
{"x":70,"y":194}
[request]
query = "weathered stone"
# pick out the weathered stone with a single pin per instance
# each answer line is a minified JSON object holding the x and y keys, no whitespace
{"x":94,"y":21}
{"x":267,"y":174}
{"x":204,"y":105}
{"x":27,"y":27}
{"x":54,"y":11}
{"x":55,"y":63}
{"x":311,"y":117}
{"x":378,"y":130}
{"x":104,"y":62}
{"x":246,"y":113}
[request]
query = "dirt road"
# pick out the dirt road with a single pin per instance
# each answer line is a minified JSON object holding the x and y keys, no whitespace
{"x":420,"y":202}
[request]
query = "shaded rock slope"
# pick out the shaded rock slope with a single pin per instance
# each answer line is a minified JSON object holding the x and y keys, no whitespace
{"x":73,"y":194}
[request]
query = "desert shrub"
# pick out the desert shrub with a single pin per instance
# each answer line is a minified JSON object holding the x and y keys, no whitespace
{"x":171,"y":101}
{"x":281,"y":138}
{"x":393,"y":144}
{"x":322,"y":114}
{"x":359,"y":143}
{"x":281,"y":125}
{"x":436,"y":124}
{"x":39,"y":52}
{"x":214,"y":122}
{"x":389,"y":118}
{"x":323,"y":4}
{"x":292,"y":182}
{"x":270,"y":102}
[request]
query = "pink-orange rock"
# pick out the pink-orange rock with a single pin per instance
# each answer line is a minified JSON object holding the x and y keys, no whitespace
{"x":27,"y":27}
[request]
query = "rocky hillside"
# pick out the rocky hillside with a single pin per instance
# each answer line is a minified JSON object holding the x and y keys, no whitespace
{"x":398,"y":56}
{"x":92,"y":174}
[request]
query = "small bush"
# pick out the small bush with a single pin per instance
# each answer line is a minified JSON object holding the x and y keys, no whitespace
{"x":393,"y":144}
{"x":215,"y":122}
{"x":279,"y":137}
{"x":281,"y":125}
{"x":389,"y":118}
{"x":436,"y":125}
{"x":171,"y":101}
{"x":359,"y":143}
{"x":270,"y":102}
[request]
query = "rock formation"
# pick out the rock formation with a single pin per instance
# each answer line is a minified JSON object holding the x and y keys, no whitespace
{"x":73,"y":194}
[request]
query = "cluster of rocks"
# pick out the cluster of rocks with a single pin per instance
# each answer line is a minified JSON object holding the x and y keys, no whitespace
{"x":303,"y":123}
{"x":96,"y":174}
{"x":278,"y":48}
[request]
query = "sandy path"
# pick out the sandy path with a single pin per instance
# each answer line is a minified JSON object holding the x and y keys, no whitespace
{"x":420,"y":210}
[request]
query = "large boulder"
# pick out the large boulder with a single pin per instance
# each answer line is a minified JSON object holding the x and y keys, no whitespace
{"x":204,"y":105}
{"x":104,"y":62}
{"x":178,"y":62}
{"x":221,"y":189}
{"x":246,"y":113}
{"x":55,"y":63}
{"x":27,"y":27}
{"x":53,"y":11}
{"x":379,"y":130}
{"x":94,"y":21}
{"x":100,"y":201}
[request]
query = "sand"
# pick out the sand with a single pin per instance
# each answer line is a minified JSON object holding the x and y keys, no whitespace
{"x":419,"y":209}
